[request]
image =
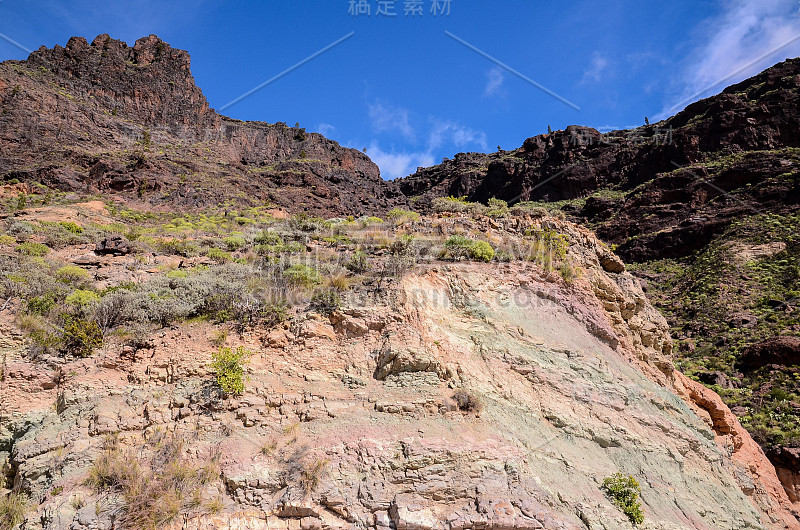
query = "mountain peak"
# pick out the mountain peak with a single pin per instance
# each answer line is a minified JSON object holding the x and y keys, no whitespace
{"x":116,"y":118}
{"x":149,"y":82}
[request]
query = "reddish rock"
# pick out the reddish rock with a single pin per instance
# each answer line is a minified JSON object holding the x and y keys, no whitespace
{"x":119,"y":120}
{"x":777,"y":350}
{"x":787,"y":465}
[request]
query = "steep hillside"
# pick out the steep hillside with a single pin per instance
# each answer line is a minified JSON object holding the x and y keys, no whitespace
{"x":659,"y":191}
{"x":706,"y":205}
{"x":130,"y":121}
{"x":439,"y":372}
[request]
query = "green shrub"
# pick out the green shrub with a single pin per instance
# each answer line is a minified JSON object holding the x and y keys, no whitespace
{"x":497,"y":208}
{"x":457,"y":205}
{"x":624,"y":492}
{"x":71,"y":274}
{"x":6,"y":240}
{"x":302,"y":276}
{"x":401,"y":217}
{"x":218,"y":255}
{"x":502,"y":256}
{"x":369,"y":221}
{"x":228,"y":365}
{"x":235,"y":241}
{"x":82,"y":298}
{"x":12,"y":510}
{"x":268,"y":238}
{"x":178,"y":247}
{"x":357,"y":263}
{"x":481,"y":251}
{"x":551,"y":242}
{"x":57,"y":236}
{"x":279,"y":248}
{"x":20,"y":229}
{"x":326,"y":302}
{"x":41,"y":305}
{"x":458,"y":247}
{"x":33,"y":249}
{"x":82,"y":337}
{"x":241,"y":221}
{"x":567,"y":272}
{"x":306,"y":223}
{"x":69,"y":226}
{"x":534,"y":209}
{"x":178,"y":273}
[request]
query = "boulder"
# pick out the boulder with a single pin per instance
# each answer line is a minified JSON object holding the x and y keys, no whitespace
{"x":782,"y":350}
{"x":114,"y":245}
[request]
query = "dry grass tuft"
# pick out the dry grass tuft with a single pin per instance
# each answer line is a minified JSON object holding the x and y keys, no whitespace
{"x":157,"y":490}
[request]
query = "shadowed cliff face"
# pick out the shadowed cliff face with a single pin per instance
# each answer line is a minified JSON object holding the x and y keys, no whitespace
{"x":129,"y":120}
{"x":659,"y":191}
{"x":451,"y":394}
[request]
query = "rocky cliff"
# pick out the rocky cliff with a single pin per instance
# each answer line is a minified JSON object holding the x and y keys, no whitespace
{"x":439,"y":393}
{"x":706,"y":205}
{"x":177,"y":350}
{"x":658,"y":191}
{"x":105,"y":117}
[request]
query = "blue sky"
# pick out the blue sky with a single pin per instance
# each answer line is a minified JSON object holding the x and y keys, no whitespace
{"x":409,"y":92}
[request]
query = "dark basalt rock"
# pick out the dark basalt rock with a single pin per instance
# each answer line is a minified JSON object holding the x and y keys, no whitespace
{"x":114,"y":245}
{"x":716,"y":378}
{"x":776,"y":350}
{"x":675,"y":183}
{"x":110,"y":118}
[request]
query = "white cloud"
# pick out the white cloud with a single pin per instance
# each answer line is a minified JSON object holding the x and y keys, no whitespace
{"x":494,"y":82}
{"x":459,"y":135}
{"x":386,"y":118}
{"x":326,"y":129}
{"x":401,"y":162}
{"x":598,"y":65}
{"x":398,"y":164}
{"x":743,"y":33}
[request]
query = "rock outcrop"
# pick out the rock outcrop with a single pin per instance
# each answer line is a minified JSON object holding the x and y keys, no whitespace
{"x":705,"y":203}
{"x":130,"y":121}
{"x":776,"y":350}
{"x":661,"y":190}
{"x":352,"y":420}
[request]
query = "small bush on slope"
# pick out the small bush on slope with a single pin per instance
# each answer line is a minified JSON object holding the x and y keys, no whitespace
{"x":457,"y":247}
{"x":624,"y":492}
{"x":154,"y":491}
{"x":228,"y":365}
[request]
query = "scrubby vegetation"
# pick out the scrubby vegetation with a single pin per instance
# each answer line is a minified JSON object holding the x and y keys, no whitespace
{"x":467,"y":402}
{"x":742,"y":288}
{"x":624,"y":492}
{"x":156,"y":483}
{"x":240,"y":270}
{"x":12,"y":510}
{"x":229,"y":365}
{"x":460,"y":247}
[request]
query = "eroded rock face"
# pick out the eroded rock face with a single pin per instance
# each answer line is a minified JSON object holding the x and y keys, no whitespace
{"x":350,"y":420}
{"x":130,"y":121}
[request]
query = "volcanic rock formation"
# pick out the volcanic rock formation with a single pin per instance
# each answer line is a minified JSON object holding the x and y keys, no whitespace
{"x":106,"y":117}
